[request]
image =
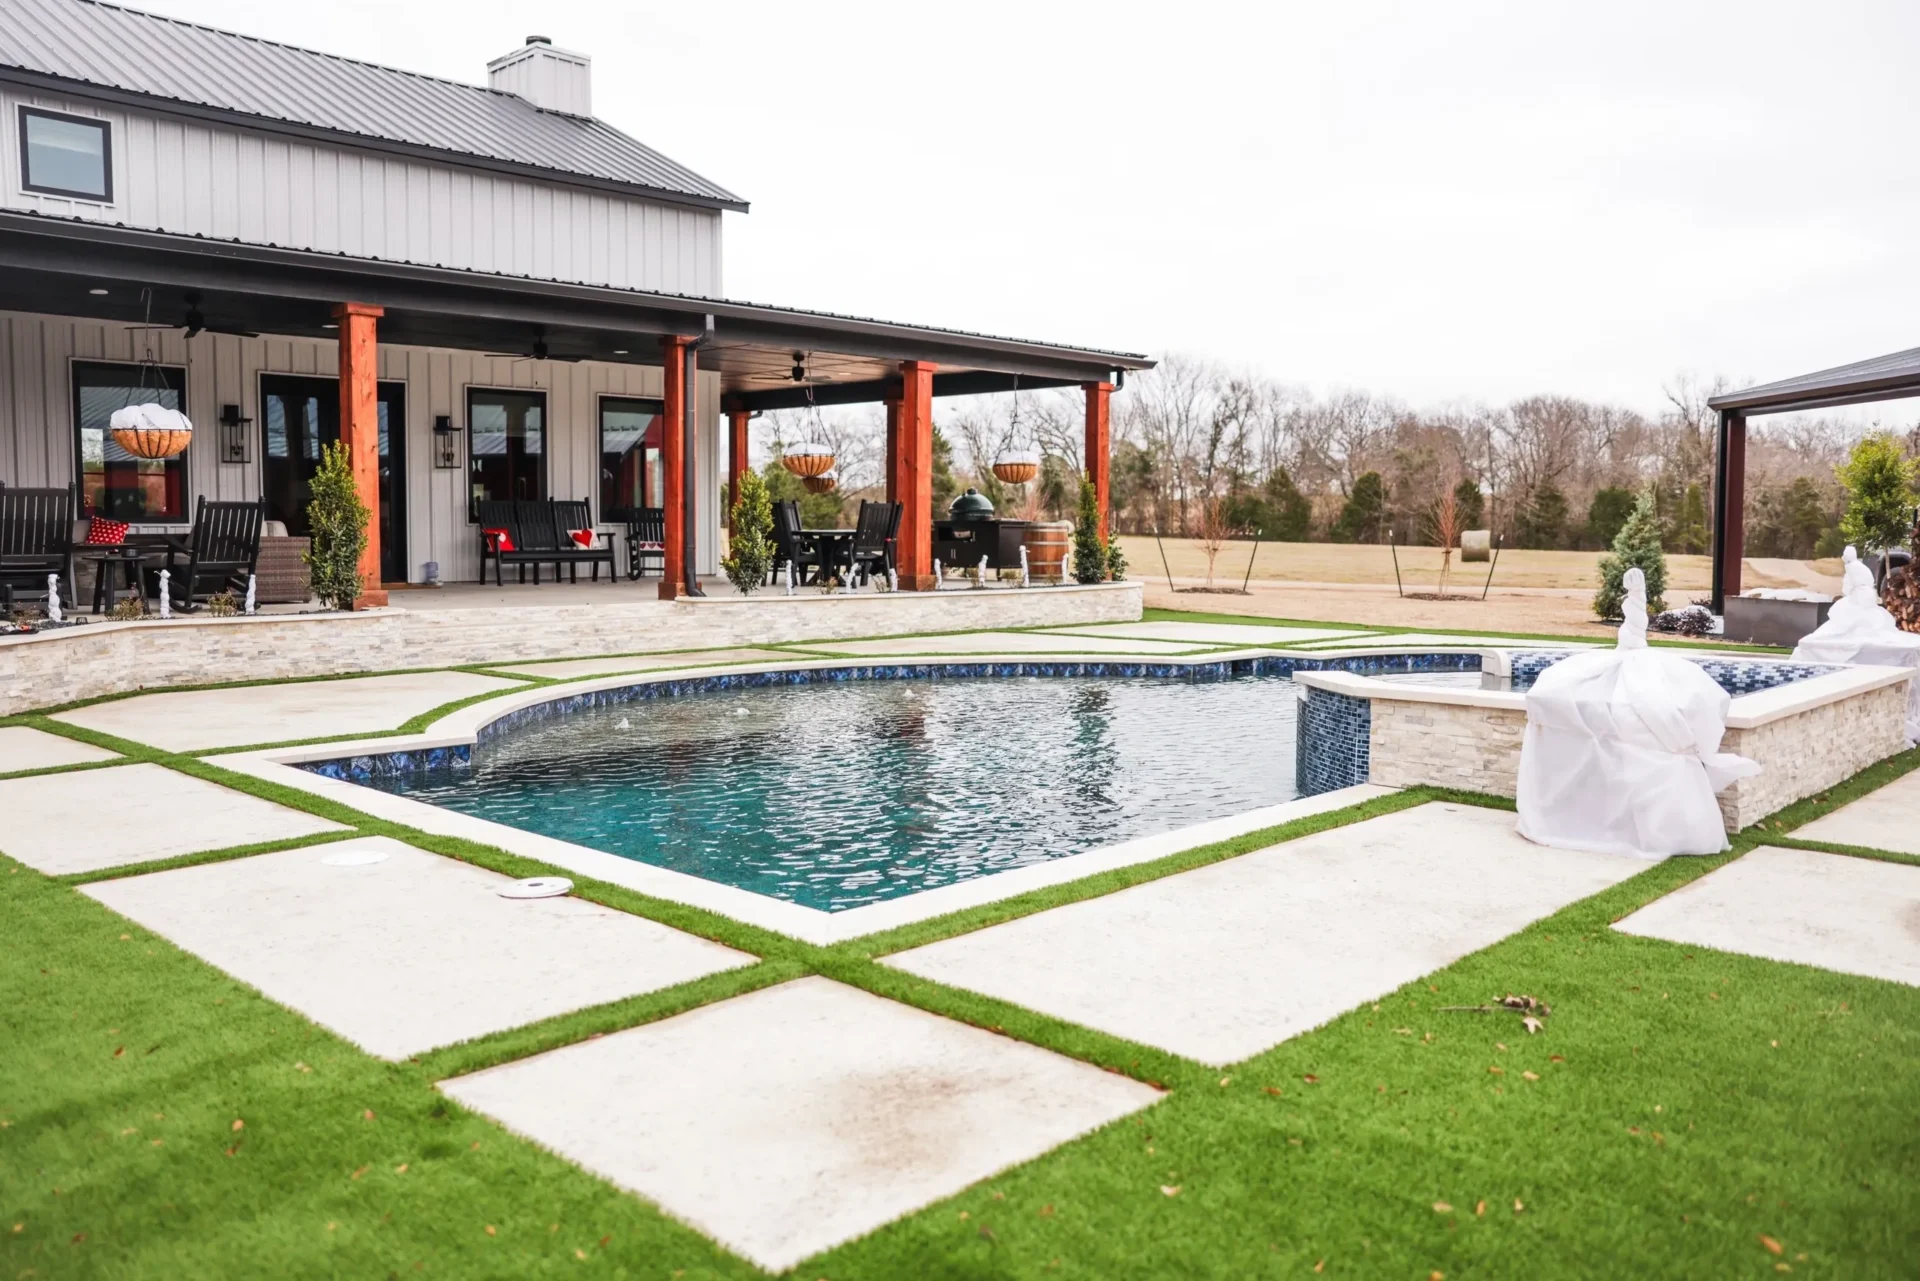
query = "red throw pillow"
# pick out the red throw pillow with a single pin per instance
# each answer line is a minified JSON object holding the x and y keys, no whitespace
{"x":584,"y":537}
{"x":106,"y":533}
{"x":498,"y":540}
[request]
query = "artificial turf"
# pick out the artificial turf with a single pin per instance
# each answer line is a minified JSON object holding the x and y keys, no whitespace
{"x":1694,"y":1114}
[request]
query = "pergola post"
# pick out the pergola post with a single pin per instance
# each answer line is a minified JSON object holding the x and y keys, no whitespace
{"x":736,"y":458}
{"x":1099,"y":398}
{"x":360,"y":430}
{"x":673,"y":455}
{"x":1729,"y":507}
{"x":910,"y":475}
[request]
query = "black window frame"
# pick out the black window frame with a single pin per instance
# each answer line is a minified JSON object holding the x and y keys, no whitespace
{"x":601,"y":404}
{"x":105,"y":127}
{"x":546,"y":439}
{"x":168,"y":374}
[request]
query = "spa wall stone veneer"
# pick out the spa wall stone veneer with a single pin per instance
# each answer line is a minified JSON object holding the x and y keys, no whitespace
{"x":1801,"y":754}
{"x":111,"y":658}
{"x":1810,"y":751}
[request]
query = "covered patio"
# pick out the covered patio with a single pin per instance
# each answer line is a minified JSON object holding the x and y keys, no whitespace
{"x":698,"y":359}
{"x":1895,"y":376}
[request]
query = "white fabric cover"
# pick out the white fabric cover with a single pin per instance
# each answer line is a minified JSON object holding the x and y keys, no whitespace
{"x":1860,"y":630}
{"x":1622,"y":752}
{"x":149,"y":416}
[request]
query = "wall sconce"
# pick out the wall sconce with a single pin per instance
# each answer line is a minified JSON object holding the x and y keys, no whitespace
{"x":446,"y":442}
{"x":236,"y":442}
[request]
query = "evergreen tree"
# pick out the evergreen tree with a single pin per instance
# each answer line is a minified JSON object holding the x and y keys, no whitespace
{"x":1090,"y":556}
{"x":1607,"y":513}
{"x":1361,"y":517}
{"x":337,"y":520}
{"x":1289,"y":513}
{"x":945,"y":485}
{"x":1690,"y":526}
{"x":1879,"y":480}
{"x":1542,"y":523}
{"x":1469,"y":503}
{"x":1637,"y":544}
{"x":750,"y":547}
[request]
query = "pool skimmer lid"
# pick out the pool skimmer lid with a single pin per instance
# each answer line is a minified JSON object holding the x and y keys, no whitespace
{"x":536,"y":887}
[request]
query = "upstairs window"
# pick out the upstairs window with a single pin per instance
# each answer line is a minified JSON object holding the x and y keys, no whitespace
{"x":65,"y":155}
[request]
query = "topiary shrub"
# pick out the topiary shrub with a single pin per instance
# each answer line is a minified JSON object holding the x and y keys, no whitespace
{"x":1637,"y":544}
{"x":1089,"y":549}
{"x":750,"y":551}
{"x":338,"y":520}
{"x":1116,"y":561}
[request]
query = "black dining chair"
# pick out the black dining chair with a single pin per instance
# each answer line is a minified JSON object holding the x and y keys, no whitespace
{"x":791,"y":544}
{"x":871,"y":550}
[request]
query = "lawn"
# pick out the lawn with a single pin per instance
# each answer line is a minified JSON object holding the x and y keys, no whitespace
{"x":1683,"y":1113}
{"x":1362,"y":563}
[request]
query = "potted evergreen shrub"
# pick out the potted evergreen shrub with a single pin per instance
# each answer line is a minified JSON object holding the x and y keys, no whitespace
{"x":1091,"y":562}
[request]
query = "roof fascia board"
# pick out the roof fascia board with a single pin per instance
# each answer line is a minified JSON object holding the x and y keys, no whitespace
{"x":87,"y":90}
{"x":1864,"y":391}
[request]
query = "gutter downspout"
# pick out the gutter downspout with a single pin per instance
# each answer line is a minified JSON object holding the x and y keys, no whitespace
{"x":689,"y":428}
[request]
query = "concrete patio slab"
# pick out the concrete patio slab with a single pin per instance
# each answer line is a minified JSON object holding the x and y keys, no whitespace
{"x":412,"y":951}
{"x":1225,"y":961}
{"x":204,"y":719}
{"x":789,"y":1120}
{"x":1207,"y":633}
{"x":23,"y":747}
{"x":1887,"y":819}
{"x":1006,"y":643}
{"x":101,"y":818}
{"x":1854,"y":915}
{"x":567,"y":669}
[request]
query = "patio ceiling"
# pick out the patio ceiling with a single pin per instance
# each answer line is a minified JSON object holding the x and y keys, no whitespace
{"x":54,"y":265}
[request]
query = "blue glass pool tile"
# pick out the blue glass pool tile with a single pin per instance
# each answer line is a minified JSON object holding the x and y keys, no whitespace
{"x":1333,"y":747}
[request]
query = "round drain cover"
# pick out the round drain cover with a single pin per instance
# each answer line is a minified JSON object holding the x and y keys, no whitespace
{"x":354,"y":858}
{"x":537,"y":887}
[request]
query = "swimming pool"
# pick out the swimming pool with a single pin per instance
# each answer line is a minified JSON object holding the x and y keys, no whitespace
{"x":840,"y":794}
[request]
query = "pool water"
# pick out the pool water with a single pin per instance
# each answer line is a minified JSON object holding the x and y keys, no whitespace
{"x":838,"y":795}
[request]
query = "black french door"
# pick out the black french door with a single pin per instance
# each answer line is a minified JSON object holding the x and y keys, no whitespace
{"x":298,"y":416}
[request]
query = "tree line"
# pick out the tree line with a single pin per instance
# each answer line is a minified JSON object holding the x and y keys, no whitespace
{"x":1202,"y":451}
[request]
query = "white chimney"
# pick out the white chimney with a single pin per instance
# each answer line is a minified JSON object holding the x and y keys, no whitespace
{"x":551,"y":79}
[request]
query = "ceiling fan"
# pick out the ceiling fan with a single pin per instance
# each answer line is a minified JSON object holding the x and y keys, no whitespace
{"x":538,"y":351}
{"x":194,"y":321}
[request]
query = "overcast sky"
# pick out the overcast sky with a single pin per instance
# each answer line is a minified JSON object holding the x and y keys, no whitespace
{"x":1456,"y":201}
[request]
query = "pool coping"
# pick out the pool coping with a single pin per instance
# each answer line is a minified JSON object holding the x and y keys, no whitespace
{"x":1745,"y":711}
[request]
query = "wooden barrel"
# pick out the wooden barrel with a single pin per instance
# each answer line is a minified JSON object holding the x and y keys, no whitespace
{"x":1048,"y":544}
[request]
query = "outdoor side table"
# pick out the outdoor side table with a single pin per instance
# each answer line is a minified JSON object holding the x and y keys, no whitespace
{"x":130,"y":559}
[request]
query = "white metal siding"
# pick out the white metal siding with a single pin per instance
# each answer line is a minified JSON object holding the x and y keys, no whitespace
{"x":37,"y":438}
{"x":234,"y":184}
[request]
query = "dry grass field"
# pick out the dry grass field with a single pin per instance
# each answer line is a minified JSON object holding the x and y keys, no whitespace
{"x":1532,"y":591}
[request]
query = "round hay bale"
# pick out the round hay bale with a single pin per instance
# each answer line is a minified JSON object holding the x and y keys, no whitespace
{"x":1476,"y":544}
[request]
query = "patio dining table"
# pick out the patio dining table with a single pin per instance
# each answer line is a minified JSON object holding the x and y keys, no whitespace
{"x":836,"y":551}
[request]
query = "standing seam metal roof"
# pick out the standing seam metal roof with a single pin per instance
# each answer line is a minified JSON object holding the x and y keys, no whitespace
{"x":142,"y":53}
{"x":1895,"y":369}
